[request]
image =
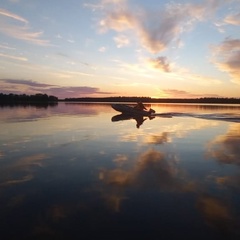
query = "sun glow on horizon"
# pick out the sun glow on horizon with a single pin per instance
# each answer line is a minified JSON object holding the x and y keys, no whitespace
{"x":164,"y":50}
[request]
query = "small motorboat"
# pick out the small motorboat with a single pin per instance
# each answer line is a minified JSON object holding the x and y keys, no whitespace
{"x":128,"y":110}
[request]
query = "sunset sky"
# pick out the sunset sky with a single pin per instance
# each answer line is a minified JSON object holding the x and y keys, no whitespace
{"x":100,"y":48}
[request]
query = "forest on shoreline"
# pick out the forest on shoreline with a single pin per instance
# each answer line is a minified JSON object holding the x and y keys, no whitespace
{"x":156,"y":100}
{"x":39,"y":97}
{"x":44,"y":98}
{"x":40,"y":100}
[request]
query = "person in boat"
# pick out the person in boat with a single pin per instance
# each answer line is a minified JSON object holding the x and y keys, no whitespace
{"x":140,"y":106}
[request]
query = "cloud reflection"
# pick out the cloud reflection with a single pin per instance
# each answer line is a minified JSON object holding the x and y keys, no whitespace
{"x":225,"y":148}
{"x":162,"y":138}
{"x":153,"y":171}
{"x":217,"y":213}
{"x":232,"y":182}
{"x":21,"y":170}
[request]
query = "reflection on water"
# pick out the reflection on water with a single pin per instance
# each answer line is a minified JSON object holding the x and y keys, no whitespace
{"x":139,"y":119}
{"x":76,"y":171}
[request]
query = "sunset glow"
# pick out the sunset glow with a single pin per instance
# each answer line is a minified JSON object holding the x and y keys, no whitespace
{"x":100,"y":48}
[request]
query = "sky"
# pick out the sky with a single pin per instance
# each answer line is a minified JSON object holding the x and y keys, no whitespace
{"x":103,"y":48}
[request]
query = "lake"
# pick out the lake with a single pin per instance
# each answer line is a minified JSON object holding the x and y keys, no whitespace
{"x":78,"y":171}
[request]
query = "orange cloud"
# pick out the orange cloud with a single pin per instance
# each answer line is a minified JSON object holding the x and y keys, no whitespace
{"x":160,"y":63}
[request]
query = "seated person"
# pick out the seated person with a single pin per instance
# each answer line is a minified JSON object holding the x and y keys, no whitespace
{"x":140,"y":106}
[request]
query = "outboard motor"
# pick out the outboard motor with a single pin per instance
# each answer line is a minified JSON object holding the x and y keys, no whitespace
{"x":152,"y":111}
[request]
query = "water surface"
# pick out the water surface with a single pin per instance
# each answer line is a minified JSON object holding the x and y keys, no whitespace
{"x":78,"y":171}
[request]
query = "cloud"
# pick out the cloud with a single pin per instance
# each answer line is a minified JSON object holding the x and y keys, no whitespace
{"x":14,"y":1}
{"x":156,"y":29}
{"x":23,"y":33}
{"x":14,"y":57}
{"x":233,"y":19}
{"x":178,"y":93}
{"x":19,"y":86}
{"x":14,"y":30}
{"x":227,"y":58}
{"x":229,"y":45}
{"x":66,"y":92}
{"x":102,"y":49}
{"x":175,"y":93}
{"x":28,"y":83}
{"x":7,"y":47}
{"x":121,"y":41}
{"x":160,"y":63}
{"x":12,"y":15}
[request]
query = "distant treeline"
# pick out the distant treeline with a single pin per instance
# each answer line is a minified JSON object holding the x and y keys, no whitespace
{"x":23,"y":98}
{"x":44,"y":98}
{"x":157,"y":100}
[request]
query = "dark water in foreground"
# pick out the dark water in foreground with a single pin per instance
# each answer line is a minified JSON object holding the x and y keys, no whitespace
{"x":76,"y":171}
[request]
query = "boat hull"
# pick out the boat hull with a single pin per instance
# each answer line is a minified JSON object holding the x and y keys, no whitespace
{"x":127,"y":110}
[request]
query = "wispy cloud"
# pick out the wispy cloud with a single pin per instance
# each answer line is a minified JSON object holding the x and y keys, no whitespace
{"x":7,"y":47}
{"x":81,"y":91}
{"x":175,"y":93}
{"x":233,"y":19}
{"x":102,"y":49}
{"x":14,"y":1}
{"x":6,"y":13}
{"x":70,"y":74}
{"x":121,"y":41}
{"x":14,"y":57}
{"x":15,"y":30}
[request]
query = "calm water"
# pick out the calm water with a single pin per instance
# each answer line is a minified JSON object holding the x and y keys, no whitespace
{"x":77,"y":171}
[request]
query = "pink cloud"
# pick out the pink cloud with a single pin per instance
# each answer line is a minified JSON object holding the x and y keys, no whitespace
{"x":175,"y":93}
{"x":18,"y":86}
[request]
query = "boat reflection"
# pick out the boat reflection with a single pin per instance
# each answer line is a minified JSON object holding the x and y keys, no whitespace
{"x":139,"y":119}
